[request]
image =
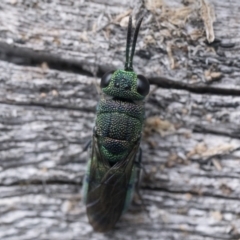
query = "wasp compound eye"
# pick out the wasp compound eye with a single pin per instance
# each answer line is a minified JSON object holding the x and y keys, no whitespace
{"x":106,"y":78}
{"x":142,"y":85}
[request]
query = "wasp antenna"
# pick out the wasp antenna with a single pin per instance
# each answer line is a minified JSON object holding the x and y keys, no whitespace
{"x":129,"y":35}
{"x":134,"y":43}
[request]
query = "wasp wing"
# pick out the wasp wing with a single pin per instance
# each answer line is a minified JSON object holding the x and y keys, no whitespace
{"x":107,"y":188}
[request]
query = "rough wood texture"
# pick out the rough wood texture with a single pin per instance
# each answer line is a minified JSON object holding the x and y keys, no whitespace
{"x":191,"y":142}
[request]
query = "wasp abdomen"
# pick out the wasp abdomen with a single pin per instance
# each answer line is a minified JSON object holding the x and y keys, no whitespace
{"x":118,"y":126}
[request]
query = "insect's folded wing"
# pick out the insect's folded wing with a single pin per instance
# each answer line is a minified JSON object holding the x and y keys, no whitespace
{"x":107,"y":189}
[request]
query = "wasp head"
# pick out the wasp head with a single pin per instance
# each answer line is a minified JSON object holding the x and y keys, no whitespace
{"x":125,"y":84}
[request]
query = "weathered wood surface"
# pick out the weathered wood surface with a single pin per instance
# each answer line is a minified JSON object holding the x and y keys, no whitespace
{"x":191,"y":143}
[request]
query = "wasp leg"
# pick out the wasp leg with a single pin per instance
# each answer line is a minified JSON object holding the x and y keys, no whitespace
{"x":74,"y":158}
{"x":97,"y":86}
{"x":151,"y":92}
{"x":140,"y":167}
{"x":85,"y":181}
{"x":142,"y":205}
{"x":137,"y":194}
{"x":87,"y":145}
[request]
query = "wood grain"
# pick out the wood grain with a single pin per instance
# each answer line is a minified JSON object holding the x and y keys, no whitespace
{"x":51,"y":58}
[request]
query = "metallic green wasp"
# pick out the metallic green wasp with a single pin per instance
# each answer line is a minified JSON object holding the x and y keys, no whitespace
{"x":114,"y":152}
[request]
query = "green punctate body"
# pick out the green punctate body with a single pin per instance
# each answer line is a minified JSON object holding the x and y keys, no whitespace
{"x":112,"y":170}
{"x":119,"y":120}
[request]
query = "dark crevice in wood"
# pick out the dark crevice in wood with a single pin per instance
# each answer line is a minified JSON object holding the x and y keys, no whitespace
{"x":193,"y":193}
{"x":42,"y":182}
{"x":198,"y":233}
{"x":43,"y":105}
{"x":201,"y":129}
{"x":166,"y":228}
{"x":28,"y":57}
{"x":199,"y":89}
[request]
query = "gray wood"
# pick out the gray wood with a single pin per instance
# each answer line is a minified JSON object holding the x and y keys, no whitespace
{"x":52,"y":54}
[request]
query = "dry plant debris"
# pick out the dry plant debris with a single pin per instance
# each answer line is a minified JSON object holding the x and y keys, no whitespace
{"x":203,"y":151}
{"x":177,"y":25}
{"x":155,"y":124}
{"x":208,"y":17}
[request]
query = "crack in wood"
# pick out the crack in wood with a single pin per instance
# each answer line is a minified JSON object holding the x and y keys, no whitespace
{"x":199,"y":89}
{"x":202,"y":129}
{"x":47,"y":106}
{"x":28,"y":57}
